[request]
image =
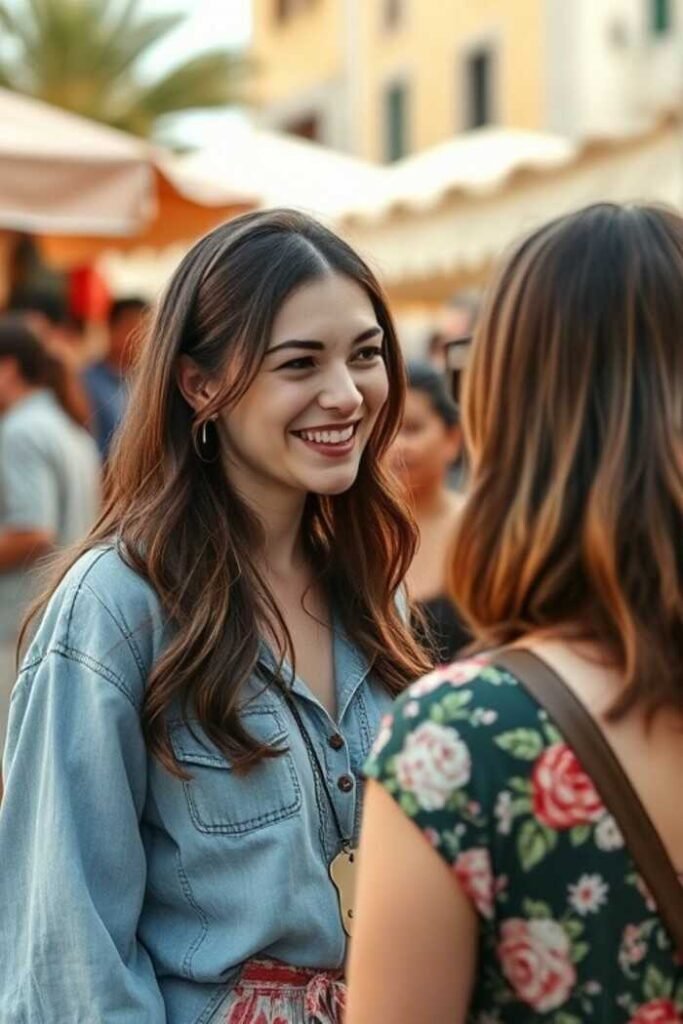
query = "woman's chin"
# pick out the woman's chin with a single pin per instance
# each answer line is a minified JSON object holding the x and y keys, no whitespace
{"x":333,"y":483}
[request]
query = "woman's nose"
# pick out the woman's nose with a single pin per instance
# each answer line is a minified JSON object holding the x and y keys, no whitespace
{"x":341,"y":393}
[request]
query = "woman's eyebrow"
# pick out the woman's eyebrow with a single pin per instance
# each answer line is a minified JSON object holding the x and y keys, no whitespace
{"x":312,"y":345}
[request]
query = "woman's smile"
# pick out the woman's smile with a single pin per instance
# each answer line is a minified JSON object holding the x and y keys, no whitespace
{"x":331,"y":440}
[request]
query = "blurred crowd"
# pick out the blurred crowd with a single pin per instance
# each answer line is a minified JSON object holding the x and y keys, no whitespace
{"x":63,"y":391}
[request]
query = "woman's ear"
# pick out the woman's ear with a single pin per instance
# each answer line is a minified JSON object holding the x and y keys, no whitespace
{"x":195,"y":387}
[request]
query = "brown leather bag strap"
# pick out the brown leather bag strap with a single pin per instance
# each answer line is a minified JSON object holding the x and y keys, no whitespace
{"x":618,"y":795}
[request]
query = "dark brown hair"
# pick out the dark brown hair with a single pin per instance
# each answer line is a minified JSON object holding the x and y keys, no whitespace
{"x":39,"y":367}
{"x":573,"y":414}
{"x":185,"y":529}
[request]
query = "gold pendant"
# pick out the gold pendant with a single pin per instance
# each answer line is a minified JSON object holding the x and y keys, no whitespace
{"x":342,"y":871}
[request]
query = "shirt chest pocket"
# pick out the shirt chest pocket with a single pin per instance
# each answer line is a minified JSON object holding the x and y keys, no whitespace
{"x":222,"y":801}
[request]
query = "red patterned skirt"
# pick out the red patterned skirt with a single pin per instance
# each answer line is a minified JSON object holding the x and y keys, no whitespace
{"x":271,"y":992}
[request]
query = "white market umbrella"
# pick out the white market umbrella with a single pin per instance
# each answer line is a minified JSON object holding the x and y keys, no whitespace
{"x":61,"y":173}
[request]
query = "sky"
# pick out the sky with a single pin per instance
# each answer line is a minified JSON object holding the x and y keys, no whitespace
{"x":209,"y":23}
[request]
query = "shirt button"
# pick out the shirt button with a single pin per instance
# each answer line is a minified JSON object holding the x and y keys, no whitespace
{"x":345,"y":783}
{"x":336,"y":741}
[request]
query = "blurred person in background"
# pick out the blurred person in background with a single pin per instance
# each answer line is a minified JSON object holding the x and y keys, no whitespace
{"x":495,"y":884}
{"x":49,"y":477}
{"x":457,"y":319}
{"x":62,"y":335}
{"x":106,"y":380}
{"x":428,"y":443}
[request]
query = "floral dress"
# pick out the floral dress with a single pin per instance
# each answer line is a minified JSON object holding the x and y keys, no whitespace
{"x":568,"y":932}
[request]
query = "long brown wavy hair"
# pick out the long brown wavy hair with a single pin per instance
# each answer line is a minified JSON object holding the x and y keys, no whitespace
{"x":573,"y":415}
{"x":183,"y":527}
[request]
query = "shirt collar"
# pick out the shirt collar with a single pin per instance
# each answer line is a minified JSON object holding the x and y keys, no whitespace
{"x":351,"y":668}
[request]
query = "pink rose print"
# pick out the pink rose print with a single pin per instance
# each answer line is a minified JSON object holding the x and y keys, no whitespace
{"x":563,"y":794}
{"x":457,"y":674}
{"x":473,"y":871}
{"x":659,"y":1011}
{"x":432,"y":837}
{"x":632,"y":949}
{"x":535,"y":959}
{"x":433,"y":763}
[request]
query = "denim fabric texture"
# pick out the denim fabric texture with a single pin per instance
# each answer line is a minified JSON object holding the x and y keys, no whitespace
{"x":132,"y":896}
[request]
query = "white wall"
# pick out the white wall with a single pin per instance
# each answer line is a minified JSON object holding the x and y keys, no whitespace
{"x":606,"y":72}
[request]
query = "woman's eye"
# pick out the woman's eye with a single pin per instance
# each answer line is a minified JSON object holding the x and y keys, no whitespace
{"x":369,"y":353}
{"x":303,"y":363}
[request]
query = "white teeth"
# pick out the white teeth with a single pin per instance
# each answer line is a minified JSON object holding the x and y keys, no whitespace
{"x":328,"y":436}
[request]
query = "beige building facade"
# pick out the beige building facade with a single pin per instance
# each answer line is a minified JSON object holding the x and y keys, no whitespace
{"x":386,"y":78}
{"x":383,"y":78}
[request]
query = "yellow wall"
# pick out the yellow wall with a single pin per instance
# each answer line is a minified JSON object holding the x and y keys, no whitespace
{"x":305,"y":50}
{"x":426,"y":51}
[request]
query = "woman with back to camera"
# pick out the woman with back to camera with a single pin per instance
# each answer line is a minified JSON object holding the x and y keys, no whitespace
{"x":516,"y":898}
{"x":189,"y":726}
{"x":428,"y":443}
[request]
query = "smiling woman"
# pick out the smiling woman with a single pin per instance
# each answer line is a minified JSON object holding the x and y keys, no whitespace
{"x":311,"y":411}
{"x":207,"y":677}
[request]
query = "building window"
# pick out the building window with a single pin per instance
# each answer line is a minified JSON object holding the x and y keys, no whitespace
{"x":395,"y":112}
{"x":393,"y":14}
{"x":284,"y":9}
{"x":661,"y":17}
{"x":479,"y":88}
{"x":307,"y":127}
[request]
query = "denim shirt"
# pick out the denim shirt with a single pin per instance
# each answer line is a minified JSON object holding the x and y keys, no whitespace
{"x":128,"y":895}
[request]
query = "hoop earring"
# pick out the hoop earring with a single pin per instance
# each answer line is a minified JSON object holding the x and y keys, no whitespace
{"x":208,"y":448}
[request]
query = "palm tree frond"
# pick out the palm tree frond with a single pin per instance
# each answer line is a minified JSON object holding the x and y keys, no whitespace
{"x":83,"y":55}
{"x":208,"y":80}
{"x":127,"y":42}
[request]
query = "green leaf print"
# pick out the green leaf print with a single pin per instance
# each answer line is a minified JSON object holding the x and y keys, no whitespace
{"x":457,"y":801}
{"x":579,"y":834}
{"x":409,"y":804}
{"x":519,"y":785}
{"x":436,"y":713}
{"x":573,"y":927}
{"x":552,"y":734}
{"x":453,"y":705}
{"x":533,"y":843}
{"x":522,"y":805}
{"x":565,"y":1018}
{"x":656,"y":985}
{"x":492,"y":675}
{"x":579,"y":951}
{"x":452,"y":843}
{"x":537,"y":909}
{"x":525,"y":744}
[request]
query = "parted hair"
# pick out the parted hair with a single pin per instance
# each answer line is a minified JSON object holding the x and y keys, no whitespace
{"x":573,"y":416}
{"x":184,"y":528}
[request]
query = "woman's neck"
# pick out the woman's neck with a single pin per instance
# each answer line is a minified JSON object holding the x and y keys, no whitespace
{"x":280,"y":513}
{"x":431,"y":502}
